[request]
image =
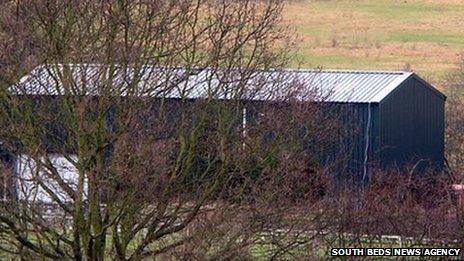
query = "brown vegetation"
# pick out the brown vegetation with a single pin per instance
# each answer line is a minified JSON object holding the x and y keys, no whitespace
{"x":455,"y":125}
{"x":180,"y":178}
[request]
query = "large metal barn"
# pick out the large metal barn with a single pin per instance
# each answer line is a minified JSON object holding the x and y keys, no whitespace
{"x":401,"y":115}
{"x":398,"y":115}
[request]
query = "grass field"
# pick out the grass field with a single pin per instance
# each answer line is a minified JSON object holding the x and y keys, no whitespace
{"x":426,"y":36}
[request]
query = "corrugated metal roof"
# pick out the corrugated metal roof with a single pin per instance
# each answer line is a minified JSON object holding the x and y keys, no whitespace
{"x":327,"y":85}
{"x":354,"y":86}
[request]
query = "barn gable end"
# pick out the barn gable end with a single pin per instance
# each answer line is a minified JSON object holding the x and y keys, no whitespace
{"x":412,"y":125}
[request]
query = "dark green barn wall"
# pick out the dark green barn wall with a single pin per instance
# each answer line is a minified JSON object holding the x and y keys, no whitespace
{"x":346,"y":154}
{"x":361,"y":121}
{"x":412,"y":125}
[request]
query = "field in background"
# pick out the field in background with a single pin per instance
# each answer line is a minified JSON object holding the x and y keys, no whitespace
{"x":426,"y":36}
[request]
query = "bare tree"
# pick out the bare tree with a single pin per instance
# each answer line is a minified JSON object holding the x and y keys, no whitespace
{"x":131,"y":130}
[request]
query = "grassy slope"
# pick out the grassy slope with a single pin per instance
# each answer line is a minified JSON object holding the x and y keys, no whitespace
{"x":426,"y":36}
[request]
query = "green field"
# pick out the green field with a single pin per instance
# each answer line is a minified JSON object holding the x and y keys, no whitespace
{"x":426,"y":36}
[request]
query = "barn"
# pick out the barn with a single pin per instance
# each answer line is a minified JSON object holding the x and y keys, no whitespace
{"x":400,"y":117}
{"x":401,"y":114}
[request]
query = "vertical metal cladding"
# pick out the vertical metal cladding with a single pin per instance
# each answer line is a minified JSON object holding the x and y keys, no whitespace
{"x":412,"y":125}
{"x":361,"y":127}
{"x":406,"y":128}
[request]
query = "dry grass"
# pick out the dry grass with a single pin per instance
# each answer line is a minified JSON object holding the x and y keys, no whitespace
{"x":426,"y":36}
